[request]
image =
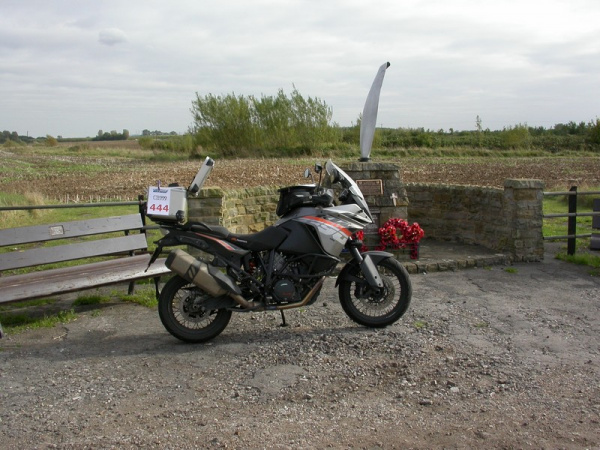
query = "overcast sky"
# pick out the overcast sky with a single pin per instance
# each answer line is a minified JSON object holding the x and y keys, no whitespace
{"x":73,"y":67}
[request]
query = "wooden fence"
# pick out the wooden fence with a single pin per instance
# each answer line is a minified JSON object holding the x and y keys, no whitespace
{"x":572,"y":215}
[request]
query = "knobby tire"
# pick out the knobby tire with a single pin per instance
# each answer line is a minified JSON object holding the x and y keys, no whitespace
{"x":377,"y":309}
{"x":184,"y":323}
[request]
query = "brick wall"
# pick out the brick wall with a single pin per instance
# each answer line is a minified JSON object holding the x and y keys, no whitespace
{"x":240,"y":210}
{"x":508,"y":220}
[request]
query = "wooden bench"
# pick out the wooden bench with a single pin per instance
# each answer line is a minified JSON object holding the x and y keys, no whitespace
{"x":127,"y":263}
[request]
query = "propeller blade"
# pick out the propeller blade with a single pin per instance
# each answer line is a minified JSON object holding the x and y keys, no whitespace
{"x":369,"y":115}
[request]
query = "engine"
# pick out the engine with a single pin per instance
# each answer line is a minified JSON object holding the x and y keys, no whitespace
{"x":292,"y":277}
{"x":289,"y":285}
{"x":284,"y":291}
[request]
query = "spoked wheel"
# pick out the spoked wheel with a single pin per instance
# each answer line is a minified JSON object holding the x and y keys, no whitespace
{"x":181,"y":311}
{"x":376,"y":307}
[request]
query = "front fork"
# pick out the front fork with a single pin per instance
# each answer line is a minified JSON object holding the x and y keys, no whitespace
{"x":367,"y":262}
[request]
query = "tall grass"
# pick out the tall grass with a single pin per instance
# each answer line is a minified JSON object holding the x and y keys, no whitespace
{"x":11,"y":219}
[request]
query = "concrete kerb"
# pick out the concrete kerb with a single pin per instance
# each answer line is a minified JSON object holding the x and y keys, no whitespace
{"x":459,"y":263}
{"x":439,"y":256}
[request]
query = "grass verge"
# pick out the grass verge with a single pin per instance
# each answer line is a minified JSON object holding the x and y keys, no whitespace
{"x":558,"y":227}
{"x":16,"y":323}
{"x":22,"y":316}
{"x":583,"y":259}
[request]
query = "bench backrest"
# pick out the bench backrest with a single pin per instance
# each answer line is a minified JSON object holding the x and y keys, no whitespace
{"x":65,"y":230}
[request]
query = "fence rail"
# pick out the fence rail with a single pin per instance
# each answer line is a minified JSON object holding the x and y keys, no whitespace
{"x":72,"y":205}
{"x":140,"y":203}
{"x":572,"y":215}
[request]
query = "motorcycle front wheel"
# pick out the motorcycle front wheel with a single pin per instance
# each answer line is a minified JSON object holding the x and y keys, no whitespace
{"x":381,"y":307}
{"x":181,"y":311}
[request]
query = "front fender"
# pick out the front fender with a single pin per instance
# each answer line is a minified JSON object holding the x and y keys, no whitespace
{"x":374,"y":256}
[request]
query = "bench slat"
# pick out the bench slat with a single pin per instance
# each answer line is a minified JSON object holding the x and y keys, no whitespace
{"x":47,"y":255}
{"x":71,"y":279}
{"x":61,"y":230}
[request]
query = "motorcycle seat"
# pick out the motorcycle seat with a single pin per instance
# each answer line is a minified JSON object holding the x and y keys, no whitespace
{"x":212,"y":229}
{"x":267,"y":239}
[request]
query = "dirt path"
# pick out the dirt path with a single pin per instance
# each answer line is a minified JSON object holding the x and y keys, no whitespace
{"x":484,"y":358}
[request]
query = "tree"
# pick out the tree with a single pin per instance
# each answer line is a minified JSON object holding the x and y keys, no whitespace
{"x":479,"y":128}
{"x":594,"y":132}
{"x":112,"y":136}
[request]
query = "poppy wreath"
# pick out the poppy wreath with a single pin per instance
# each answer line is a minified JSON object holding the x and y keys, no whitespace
{"x":397,"y":233}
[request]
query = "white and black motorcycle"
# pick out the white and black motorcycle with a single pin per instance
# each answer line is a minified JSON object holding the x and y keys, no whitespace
{"x":282,"y":267}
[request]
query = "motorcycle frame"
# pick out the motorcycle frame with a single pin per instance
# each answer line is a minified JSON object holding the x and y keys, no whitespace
{"x":237,"y":260}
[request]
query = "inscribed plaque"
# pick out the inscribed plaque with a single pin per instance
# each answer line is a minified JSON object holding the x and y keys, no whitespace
{"x":370,"y":187}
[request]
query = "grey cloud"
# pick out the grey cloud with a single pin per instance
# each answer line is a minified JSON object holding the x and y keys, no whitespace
{"x":111,"y":36}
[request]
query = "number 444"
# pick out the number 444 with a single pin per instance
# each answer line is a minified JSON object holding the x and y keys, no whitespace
{"x":159,"y":208}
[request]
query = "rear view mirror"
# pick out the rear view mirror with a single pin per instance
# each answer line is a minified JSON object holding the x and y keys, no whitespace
{"x":308,"y":174}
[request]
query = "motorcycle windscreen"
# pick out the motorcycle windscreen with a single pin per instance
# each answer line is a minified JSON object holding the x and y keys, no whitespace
{"x":347,"y":182}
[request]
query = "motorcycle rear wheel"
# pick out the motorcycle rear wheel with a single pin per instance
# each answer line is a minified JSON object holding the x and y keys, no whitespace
{"x":181,"y":312}
{"x":377,"y":308}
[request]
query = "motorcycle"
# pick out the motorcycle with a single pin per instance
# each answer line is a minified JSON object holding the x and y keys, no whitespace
{"x":280,"y":268}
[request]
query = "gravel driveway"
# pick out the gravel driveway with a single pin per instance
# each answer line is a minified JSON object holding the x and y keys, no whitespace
{"x":483,"y":358}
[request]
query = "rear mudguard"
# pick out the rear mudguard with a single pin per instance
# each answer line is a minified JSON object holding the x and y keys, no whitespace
{"x":370,"y":260}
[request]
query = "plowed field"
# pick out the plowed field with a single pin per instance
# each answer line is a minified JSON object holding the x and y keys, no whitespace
{"x":91,"y":178}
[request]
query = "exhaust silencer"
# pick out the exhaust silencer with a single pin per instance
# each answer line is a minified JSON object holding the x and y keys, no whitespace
{"x":208,"y":278}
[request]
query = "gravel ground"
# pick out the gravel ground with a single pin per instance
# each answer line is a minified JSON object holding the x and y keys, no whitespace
{"x":484,"y":357}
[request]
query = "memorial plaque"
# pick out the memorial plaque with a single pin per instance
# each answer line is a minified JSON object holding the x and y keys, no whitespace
{"x":370,"y":187}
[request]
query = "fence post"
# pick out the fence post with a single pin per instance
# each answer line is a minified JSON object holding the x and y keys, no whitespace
{"x":142,"y":209}
{"x":572,"y":221}
{"x":595,"y":239}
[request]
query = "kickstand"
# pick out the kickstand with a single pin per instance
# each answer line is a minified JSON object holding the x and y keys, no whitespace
{"x":283,"y":322}
{"x":156,"y":287}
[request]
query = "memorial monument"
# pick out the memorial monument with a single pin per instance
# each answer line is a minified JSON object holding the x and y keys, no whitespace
{"x":381,"y":183}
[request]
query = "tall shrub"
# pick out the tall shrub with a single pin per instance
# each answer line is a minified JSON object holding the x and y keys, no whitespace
{"x":224,"y":122}
{"x":594,"y":132}
{"x":516,"y":137}
{"x":235,"y":123}
{"x":272,"y":116}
